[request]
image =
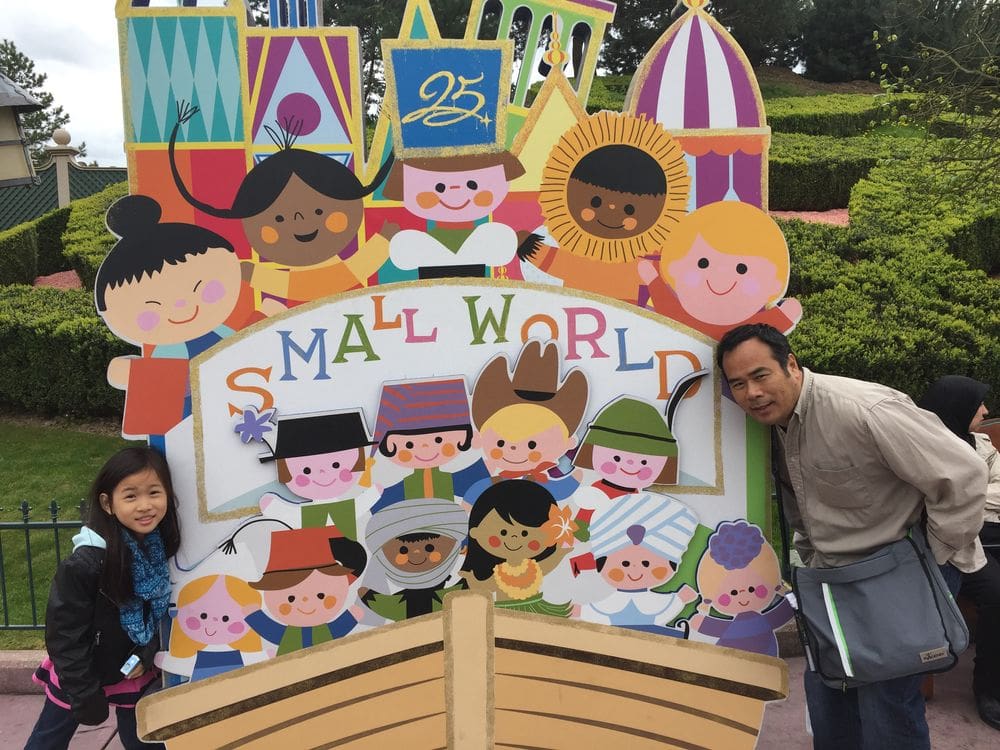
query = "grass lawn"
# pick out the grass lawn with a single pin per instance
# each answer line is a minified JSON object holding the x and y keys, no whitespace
{"x":41,"y":462}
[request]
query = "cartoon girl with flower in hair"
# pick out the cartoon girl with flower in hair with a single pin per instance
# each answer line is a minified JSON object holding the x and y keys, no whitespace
{"x":515,"y":535}
{"x":738,"y":576}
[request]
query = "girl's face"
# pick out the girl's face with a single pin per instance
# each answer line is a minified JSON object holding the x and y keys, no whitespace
{"x":745,"y":590}
{"x":427,"y":450}
{"x":420,"y":556}
{"x":636,"y":568}
{"x":179,"y":303}
{"x":213,"y":619}
{"x":508,"y":540}
{"x":139,"y":502}
{"x":323,"y":476}
{"x":302,"y":226}
{"x":609,"y":213}
{"x":453,"y":196}
{"x":634,"y":471}
{"x":720,"y":288}
{"x":317,"y":600}
{"x":546,"y":446}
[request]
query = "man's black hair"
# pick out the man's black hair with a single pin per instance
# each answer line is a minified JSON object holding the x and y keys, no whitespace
{"x":769,"y":335}
{"x":622,"y":168}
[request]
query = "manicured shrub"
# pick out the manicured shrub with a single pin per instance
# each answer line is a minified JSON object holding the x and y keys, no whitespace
{"x":19,"y":255}
{"x":50,"y":228}
{"x":819,"y":255}
{"x":87,"y":239}
{"x":56,"y":353}
{"x":828,"y":114}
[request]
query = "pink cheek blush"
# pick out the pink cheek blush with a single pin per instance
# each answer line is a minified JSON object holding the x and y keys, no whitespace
{"x":609,"y":467}
{"x":148,"y":320}
{"x":236,"y":628}
{"x":346,"y":475}
{"x":691,"y":278}
{"x":751,"y":287}
{"x":534,"y":546}
{"x":193,"y":623}
{"x":302,"y":480}
{"x":724,"y":600}
{"x":645,"y":473}
{"x":761,"y":591}
{"x":494,"y":541}
{"x":213,"y":291}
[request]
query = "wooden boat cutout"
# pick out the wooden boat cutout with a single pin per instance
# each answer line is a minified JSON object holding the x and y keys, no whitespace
{"x":473,"y":677}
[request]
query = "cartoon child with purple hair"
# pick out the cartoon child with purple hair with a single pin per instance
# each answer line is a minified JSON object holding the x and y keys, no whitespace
{"x":738,"y":576}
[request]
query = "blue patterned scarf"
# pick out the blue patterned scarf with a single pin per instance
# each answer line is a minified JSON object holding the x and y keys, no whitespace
{"x":151,"y":582}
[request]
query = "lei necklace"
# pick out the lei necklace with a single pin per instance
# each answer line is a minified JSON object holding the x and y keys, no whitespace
{"x":518,"y":581}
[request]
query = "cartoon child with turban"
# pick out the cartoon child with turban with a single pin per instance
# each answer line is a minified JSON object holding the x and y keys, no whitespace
{"x":415,"y":546}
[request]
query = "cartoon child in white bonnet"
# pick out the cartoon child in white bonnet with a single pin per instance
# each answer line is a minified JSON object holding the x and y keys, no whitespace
{"x":638,"y":543}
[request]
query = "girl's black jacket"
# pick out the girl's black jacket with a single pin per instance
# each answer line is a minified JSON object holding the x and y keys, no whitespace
{"x":84,"y":636}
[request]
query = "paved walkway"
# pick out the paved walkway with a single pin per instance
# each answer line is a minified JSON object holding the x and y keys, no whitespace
{"x":951,"y":715}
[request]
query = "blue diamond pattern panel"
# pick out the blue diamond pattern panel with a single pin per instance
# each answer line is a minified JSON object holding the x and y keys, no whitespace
{"x":173,"y":59}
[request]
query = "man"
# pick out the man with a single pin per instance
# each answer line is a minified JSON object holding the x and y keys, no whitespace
{"x":860,"y":464}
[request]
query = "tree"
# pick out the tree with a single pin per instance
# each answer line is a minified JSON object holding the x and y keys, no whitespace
{"x":837,"y":39}
{"x":38,"y":126}
{"x":769,"y":31}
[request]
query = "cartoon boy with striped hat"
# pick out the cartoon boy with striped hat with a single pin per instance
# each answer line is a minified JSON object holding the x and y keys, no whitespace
{"x":421,"y":426}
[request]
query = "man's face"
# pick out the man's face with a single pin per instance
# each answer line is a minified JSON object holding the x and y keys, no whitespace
{"x":759,"y":384}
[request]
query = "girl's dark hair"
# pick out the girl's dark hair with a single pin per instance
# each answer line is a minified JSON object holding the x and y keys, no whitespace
{"x":265,"y":181}
{"x":145,"y":245}
{"x":519,"y":500}
{"x":116,"y":576}
{"x":955,"y":399}
{"x":623,"y":168}
{"x":385,"y":450}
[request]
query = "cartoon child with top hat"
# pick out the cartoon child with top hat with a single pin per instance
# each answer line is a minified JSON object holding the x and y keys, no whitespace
{"x":171,"y":289}
{"x":638,"y":543}
{"x":421,"y":426}
{"x":723,"y":265}
{"x":306,"y":587}
{"x":527,"y":421}
{"x":414,"y":547}
{"x":320,"y":458}
{"x":738,"y":576}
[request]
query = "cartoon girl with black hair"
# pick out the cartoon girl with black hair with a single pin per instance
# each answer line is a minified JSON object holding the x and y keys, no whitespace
{"x":170,"y":289}
{"x":515,"y":539}
{"x":301,"y":211}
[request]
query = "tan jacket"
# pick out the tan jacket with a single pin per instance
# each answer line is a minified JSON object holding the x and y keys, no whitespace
{"x":862,"y":464}
{"x":989,"y":454}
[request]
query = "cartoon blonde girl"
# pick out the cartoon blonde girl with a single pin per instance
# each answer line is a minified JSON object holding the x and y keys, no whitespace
{"x":723,"y":265}
{"x":210,"y":626}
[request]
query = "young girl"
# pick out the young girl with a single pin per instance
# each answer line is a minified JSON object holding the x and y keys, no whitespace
{"x":106,"y":603}
{"x":515,"y":537}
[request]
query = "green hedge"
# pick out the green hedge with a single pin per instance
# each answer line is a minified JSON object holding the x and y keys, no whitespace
{"x":817,"y":172}
{"x":87,"y":240}
{"x":50,"y":228}
{"x":19,"y":255}
{"x":56,"y":352}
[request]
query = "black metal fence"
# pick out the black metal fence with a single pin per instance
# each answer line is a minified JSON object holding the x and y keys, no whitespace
{"x":29,"y":553}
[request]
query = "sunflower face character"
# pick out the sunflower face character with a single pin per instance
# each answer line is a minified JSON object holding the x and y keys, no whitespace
{"x":613,"y":187}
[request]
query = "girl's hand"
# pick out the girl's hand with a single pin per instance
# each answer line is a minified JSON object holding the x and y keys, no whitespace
{"x":140,"y":669}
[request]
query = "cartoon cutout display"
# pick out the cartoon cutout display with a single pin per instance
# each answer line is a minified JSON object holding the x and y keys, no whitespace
{"x":612,"y":190}
{"x":169,"y":288}
{"x":421,"y":426}
{"x":306,"y":587}
{"x":211,"y":628}
{"x":301,"y":211}
{"x":455,"y":195}
{"x":738,"y":576}
{"x":320,"y":458}
{"x":415,"y":546}
{"x":526,"y":421}
{"x":638,"y":543}
{"x":723,"y":265}
{"x":517,"y":535}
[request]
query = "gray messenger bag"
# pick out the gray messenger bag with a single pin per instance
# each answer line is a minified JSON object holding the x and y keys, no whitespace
{"x":888,"y":615}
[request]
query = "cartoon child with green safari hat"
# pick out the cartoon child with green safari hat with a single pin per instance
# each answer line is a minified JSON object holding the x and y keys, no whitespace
{"x":306,"y":587}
